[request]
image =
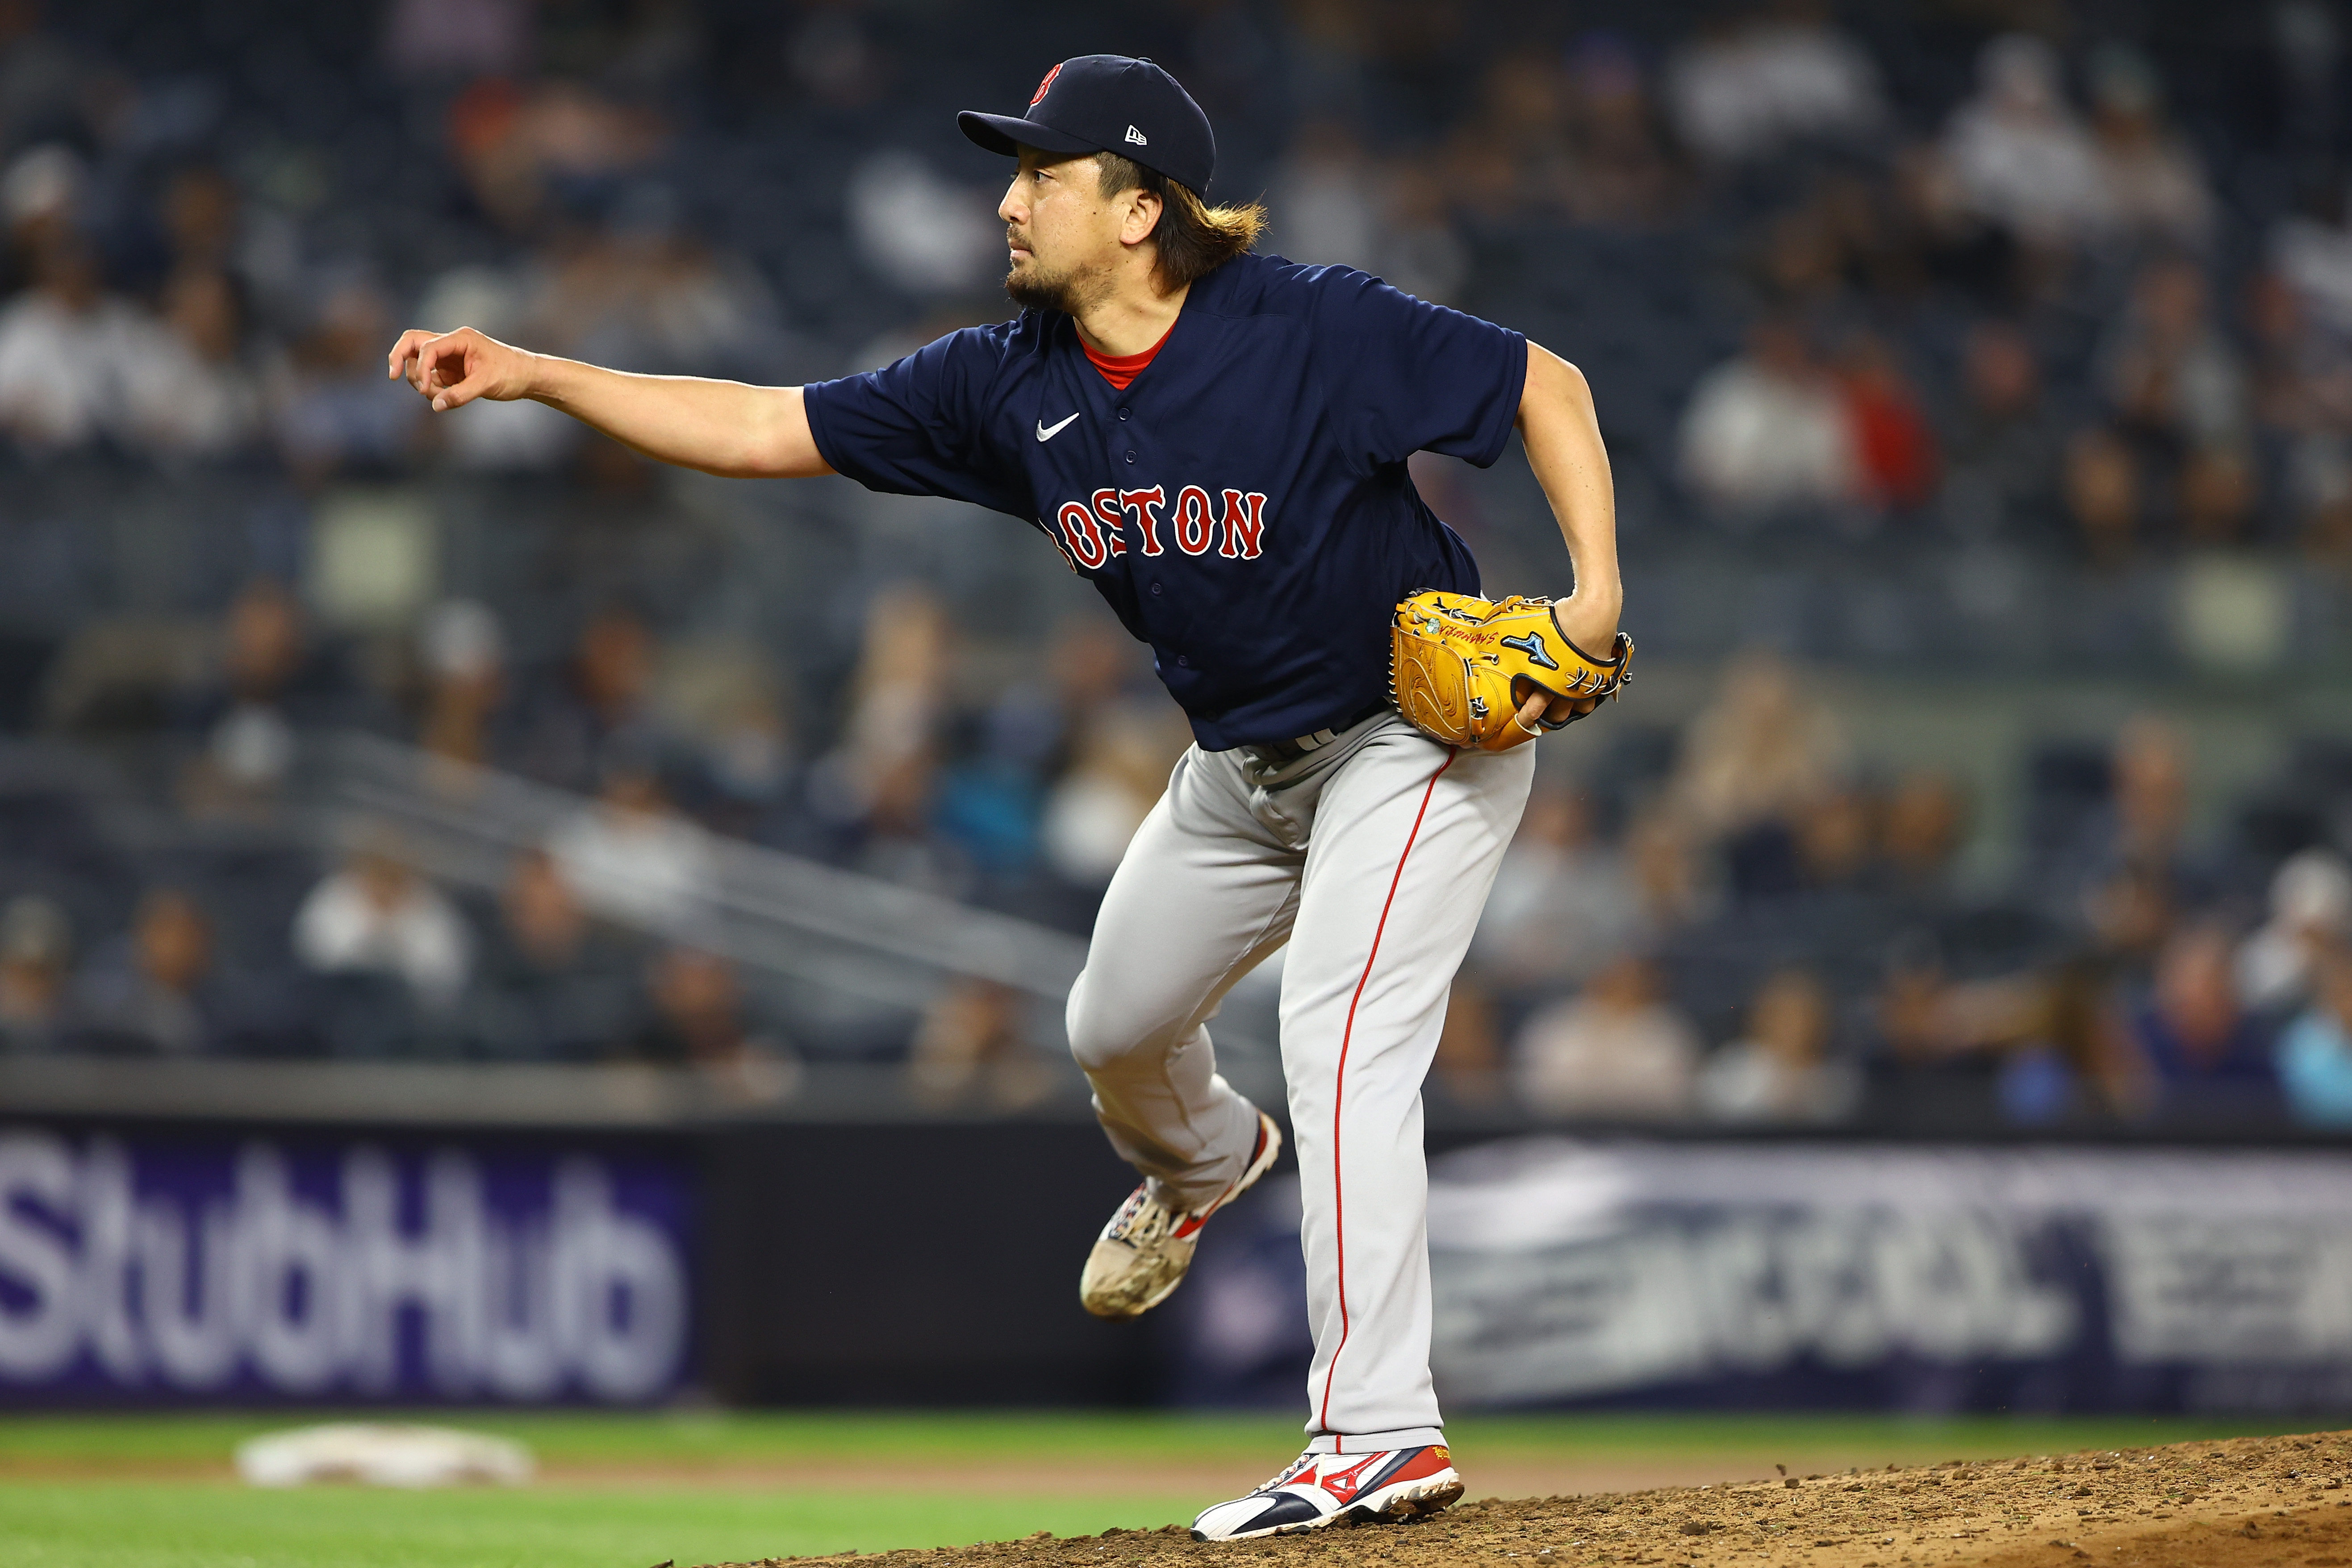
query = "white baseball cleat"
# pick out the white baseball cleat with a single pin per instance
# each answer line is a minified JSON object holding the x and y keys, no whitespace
{"x":1319,"y":1489}
{"x":1143,"y":1252}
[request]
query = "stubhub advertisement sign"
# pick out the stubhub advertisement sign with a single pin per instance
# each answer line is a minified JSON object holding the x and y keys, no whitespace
{"x":258,"y":1268}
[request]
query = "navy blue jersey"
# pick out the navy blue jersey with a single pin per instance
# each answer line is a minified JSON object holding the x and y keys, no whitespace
{"x":1243,"y":504}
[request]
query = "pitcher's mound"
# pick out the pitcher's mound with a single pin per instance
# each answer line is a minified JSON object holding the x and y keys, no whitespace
{"x":2248,"y":1502}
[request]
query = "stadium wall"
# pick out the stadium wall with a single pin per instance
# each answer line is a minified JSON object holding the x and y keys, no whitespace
{"x":176,"y":1260}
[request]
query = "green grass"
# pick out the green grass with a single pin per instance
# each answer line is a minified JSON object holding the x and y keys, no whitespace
{"x":177,"y":1524}
{"x":105,"y":1516}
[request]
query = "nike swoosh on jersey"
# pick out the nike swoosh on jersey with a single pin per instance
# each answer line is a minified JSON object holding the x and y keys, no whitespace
{"x":1047,"y":432}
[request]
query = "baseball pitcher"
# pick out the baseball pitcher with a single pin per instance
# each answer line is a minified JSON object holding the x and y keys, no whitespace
{"x":1217,"y":440}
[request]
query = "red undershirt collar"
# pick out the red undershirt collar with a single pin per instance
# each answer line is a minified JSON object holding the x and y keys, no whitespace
{"x":1119,"y":372}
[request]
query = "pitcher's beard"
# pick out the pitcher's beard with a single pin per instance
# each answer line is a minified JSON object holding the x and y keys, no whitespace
{"x":1069,"y":292}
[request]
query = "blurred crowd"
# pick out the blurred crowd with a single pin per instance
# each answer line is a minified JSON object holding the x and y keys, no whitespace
{"x":1998,"y":283}
{"x":1745,"y":927}
{"x":1993,"y":284}
{"x":226,"y":938}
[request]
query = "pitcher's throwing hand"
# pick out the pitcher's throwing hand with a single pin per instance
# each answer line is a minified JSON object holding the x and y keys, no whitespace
{"x":453,"y":369}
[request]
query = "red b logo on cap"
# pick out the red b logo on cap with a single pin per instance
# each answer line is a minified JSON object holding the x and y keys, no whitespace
{"x":1044,"y":84}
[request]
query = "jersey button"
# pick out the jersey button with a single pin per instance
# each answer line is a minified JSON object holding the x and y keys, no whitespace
{"x":1183,"y":662}
{"x":1131,"y":454}
{"x":1123,"y":414}
{"x":1155,"y":590}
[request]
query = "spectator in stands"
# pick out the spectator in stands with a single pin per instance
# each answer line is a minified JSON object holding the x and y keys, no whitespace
{"x":1932,"y":233}
{"x":2003,"y":458}
{"x":2068,"y":1056}
{"x":878,"y":783}
{"x":1894,"y":450}
{"x":463,"y":652}
{"x":2125,"y":874}
{"x":1468,"y":1067}
{"x":922,"y":231}
{"x":599,"y":703}
{"x":2128,"y":913}
{"x":376,"y":915}
{"x":552,"y":984}
{"x":186,"y":390}
{"x":1419,"y":250}
{"x":1780,"y":1071}
{"x":1750,"y":89}
{"x":2103,"y":497}
{"x":1565,"y":901}
{"x":2216,"y":496}
{"x":747,"y":759}
{"x":2313,"y":1056}
{"x":630,"y":855}
{"x":2018,"y":154}
{"x":2310,"y":916}
{"x":972,"y":1045}
{"x":1039,"y":723}
{"x":2171,"y":377}
{"x":1802,"y":264}
{"x":1619,"y":1051}
{"x":2152,"y":185}
{"x":155,"y":995}
{"x":2203,"y":1050}
{"x":726,"y":702}
{"x":1760,"y":751}
{"x":1124,"y":753}
{"x":36,"y":973}
{"x":65,"y":343}
{"x":333,"y":409}
{"x":1836,"y":838}
{"x":1510,"y":160}
{"x":1328,"y":193}
{"x":249,"y":720}
{"x":515,"y":144}
{"x":201,"y":221}
{"x":2312,"y":255}
{"x":1620,"y":176}
{"x":642,"y":293}
{"x":2302,"y":379}
{"x":838,"y":61}
{"x":1920,"y":830}
{"x":41,"y":190}
{"x":1673,"y":878}
{"x":2149,"y":817}
{"x":1767,"y":432}
{"x":1930,"y":1065}
{"x":987,"y":810}
{"x":696,"y":1020}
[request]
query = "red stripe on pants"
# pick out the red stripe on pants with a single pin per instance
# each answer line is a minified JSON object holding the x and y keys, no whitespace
{"x":1338,"y":1089}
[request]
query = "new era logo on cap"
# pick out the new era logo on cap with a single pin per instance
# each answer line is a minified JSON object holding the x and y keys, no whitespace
{"x":1107,"y":103}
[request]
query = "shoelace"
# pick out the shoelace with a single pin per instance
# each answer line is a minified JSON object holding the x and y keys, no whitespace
{"x":1305,"y":1461}
{"x":1138,"y":1212}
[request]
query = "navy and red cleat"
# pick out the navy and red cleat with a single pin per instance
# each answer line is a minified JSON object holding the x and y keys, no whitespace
{"x":1319,"y":1489}
{"x":1142,"y":1253}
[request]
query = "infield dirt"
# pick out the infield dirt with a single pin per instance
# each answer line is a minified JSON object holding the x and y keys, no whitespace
{"x":2251,"y":1502}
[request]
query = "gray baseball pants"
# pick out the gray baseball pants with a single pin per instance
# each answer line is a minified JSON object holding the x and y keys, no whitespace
{"x":1371,"y":856}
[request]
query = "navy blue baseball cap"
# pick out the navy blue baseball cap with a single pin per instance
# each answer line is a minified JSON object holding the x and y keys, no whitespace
{"x":1109,"y":103}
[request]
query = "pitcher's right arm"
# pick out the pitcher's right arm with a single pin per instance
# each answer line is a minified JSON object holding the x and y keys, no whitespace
{"x":728,"y":428}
